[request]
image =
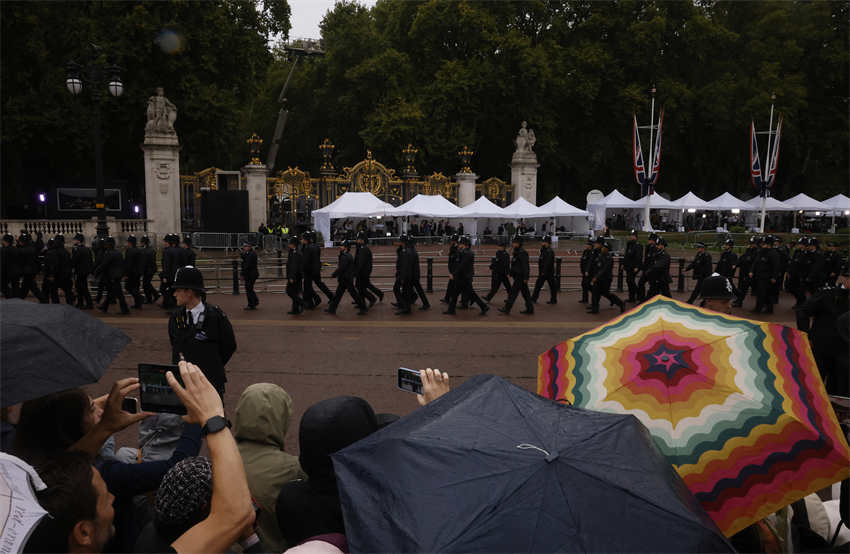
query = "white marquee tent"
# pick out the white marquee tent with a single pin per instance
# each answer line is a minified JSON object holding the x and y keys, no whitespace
{"x":726,"y":202}
{"x":838,"y":203}
{"x":482,"y":208}
{"x":614,"y":200}
{"x":423,"y":205}
{"x":691,"y":201}
{"x":558,"y":208}
{"x":656,"y":202}
{"x":522,"y":209}
{"x":806,"y":203}
{"x":350,"y":204}
{"x":771,"y":204}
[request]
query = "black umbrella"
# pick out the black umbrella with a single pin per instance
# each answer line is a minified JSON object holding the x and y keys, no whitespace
{"x":491,"y":467}
{"x":46,"y":348}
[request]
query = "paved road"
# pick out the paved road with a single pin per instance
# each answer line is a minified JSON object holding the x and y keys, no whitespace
{"x":316,"y":355}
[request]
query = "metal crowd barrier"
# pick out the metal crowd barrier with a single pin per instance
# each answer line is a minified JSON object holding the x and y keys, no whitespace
{"x":223,"y":241}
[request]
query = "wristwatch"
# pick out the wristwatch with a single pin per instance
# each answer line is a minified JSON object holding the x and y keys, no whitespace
{"x":214,"y":425}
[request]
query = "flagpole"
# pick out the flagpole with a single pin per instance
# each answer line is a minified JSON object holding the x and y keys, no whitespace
{"x":766,"y":171}
{"x":647,"y":226}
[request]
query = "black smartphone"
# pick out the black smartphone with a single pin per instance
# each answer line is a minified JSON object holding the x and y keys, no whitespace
{"x":156,"y":394}
{"x":130,"y":405}
{"x":409,"y":380}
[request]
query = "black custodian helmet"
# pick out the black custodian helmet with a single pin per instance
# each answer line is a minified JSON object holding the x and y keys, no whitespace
{"x":189,"y":277}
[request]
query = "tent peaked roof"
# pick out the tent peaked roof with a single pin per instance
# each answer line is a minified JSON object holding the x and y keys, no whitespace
{"x":482,"y":207}
{"x":522,"y":208}
{"x":691,"y":201}
{"x":615,"y":199}
{"x":656,"y":202}
{"x":558,"y":208}
{"x":355,"y":204}
{"x":427,"y":206}
{"x":805,"y":202}
{"x":771,"y":204}
{"x":839,"y":202}
{"x":728,"y":202}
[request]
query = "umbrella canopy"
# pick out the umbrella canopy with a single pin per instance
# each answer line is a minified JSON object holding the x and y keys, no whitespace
{"x":771,"y":204}
{"x":838,"y":203}
{"x":20,"y":512}
{"x":491,"y":467}
{"x":806,"y":203}
{"x":424,"y":205}
{"x":691,"y":201}
{"x":558,"y":208}
{"x":656,"y":202}
{"x":737,"y":406}
{"x":482,"y":208}
{"x":522,"y":208}
{"x":727,"y":202}
{"x":46,"y":348}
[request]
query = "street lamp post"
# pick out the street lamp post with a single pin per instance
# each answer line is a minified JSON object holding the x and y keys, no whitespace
{"x":95,"y":75}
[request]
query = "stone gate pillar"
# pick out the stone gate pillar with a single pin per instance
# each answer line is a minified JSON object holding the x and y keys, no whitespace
{"x":524,"y":165}
{"x":255,"y":183}
{"x":465,"y":188}
{"x":162,"y":167}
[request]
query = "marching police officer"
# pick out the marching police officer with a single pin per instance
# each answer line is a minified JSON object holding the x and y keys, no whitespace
{"x":402,"y":287}
{"x":794,"y":274}
{"x":312,"y":260}
{"x":172,"y":258}
{"x":452,"y":263}
{"x":717,"y":293}
{"x":462,"y":278}
{"x":27,"y":259}
{"x":9,"y":267}
{"x":726,"y":264}
{"x":363,"y":270}
{"x":134,"y":267}
{"x":584,"y":264}
{"x":701,"y":266}
{"x":520,"y":271}
{"x":658,"y":274}
{"x":601,"y":274}
{"x":189,"y":254}
{"x":111,"y":270}
{"x":416,"y":277}
{"x":98,"y":250}
{"x":294,"y":276}
{"x":832,"y":258}
{"x":546,"y":272}
{"x":57,"y":269}
{"x":250,"y":273}
{"x":765,"y":274}
{"x":81,"y":262}
{"x":499,"y":270}
{"x":649,"y":254}
{"x":814,"y":267}
{"x":149,"y":257}
{"x":745,"y":265}
{"x":344,"y":274}
{"x":632,"y":259}
{"x":784,"y":256}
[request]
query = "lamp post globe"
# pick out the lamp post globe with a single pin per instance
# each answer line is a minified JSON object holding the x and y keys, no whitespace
{"x":75,"y":86}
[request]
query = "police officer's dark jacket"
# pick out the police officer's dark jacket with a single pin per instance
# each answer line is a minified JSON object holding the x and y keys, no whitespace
{"x":209,"y":343}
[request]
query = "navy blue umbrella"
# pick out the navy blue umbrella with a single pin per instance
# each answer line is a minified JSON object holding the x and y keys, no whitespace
{"x":46,"y":348}
{"x":491,"y":467}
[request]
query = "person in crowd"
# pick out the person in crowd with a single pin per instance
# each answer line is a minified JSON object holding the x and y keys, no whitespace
{"x":171,"y":258}
{"x":262,"y":229}
{"x":648,"y":260}
{"x":28,"y":266}
{"x":98,"y":250}
{"x":584,"y":266}
{"x":52,"y":269}
{"x":832,"y":262}
{"x":701,"y":266}
{"x":462,"y":278}
{"x":546,"y":272}
{"x":81,"y":264}
{"x":793,"y":275}
{"x":403,"y":288}
{"x":250,"y":273}
{"x":134,"y":267}
{"x":814,"y":268}
{"x":262,"y":419}
{"x":765,"y":273}
{"x":717,"y":293}
{"x":111,"y":269}
{"x":313,"y":272}
{"x":9,"y":268}
{"x":658,"y":274}
{"x":189,"y":255}
{"x":363,"y":271}
{"x":601,"y":276}
{"x":344,"y":274}
{"x":294,"y":276}
{"x":452,"y":262}
{"x":416,"y":276}
{"x":519,"y":272}
{"x":149,"y":257}
{"x":783,"y":255}
{"x":632,"y":259}
{"x":744,"y":266}
{"x":499,"y":270}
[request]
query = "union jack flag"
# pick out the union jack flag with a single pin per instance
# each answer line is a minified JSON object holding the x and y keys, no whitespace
{"x":773,"y":162}
{"x":656,"y":160}
{"x":755,"y":164}
{"x":640,"y":169}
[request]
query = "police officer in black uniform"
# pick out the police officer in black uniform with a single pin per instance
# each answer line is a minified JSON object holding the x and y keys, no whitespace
{"x":403,"y":286}
{"x":312,"y":261}
{"x":649,"y":254}
{"x":658,"y":274}
{"x":416,"y":277}
{"x":189,"y":254}
{"x":726,"y":264}
{"x":765,"y":274}
{"x":134,"y":267}
{"x":783,"y":256}
{"x":149,"y":257}
{"x":833,"y":263}
{"x":200,"y":332}
{"x":701,"y":266}
{"x":632,"y":260}
{"x":294,"y":276}
{"x":250,"y":273}
{"x":815,"y":268}
{"x":601,"y":274}
{"x":744,"y":266}
{"x":27,"y":259}
{"x":9,"y":267}
{"x":546,"y":272}
{"x":98,"y":250}
{"x":111,"y":270}
{"x":172,"y":258}
{"x":363,"y":270}
{"x":462,"y":278}
{"x":452,"y":263}
{"x":344,"y":274}
{"x":52,"y":271}
{"x":520,"y":271}
{"x":717,"y":293}
{"x":81,"y":263}
{"x":794,"y":274}
{"x":584,"y":265}
{"x":499,"y":269}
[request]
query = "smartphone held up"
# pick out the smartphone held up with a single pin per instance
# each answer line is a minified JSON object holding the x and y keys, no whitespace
{"x":410,"y":380}
{"x":155,"y":393}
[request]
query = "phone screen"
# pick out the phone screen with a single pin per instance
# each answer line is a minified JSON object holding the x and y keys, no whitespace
{"x":155,"y":393}
{"x":409,"y":380}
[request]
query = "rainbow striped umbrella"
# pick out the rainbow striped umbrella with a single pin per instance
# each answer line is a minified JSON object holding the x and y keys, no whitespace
{"x":737,"y":406}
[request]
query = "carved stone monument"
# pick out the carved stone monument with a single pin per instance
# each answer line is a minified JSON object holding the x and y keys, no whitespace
{"x":524,"y":165}
{"x":255,"y":174}
{"x":162,"y":166}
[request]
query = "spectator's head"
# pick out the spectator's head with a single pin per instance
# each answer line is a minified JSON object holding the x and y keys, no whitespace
{"x":292,"y":242}
{"x":131,"y":241}
{"x":263,"y":414}
{"x":79,"y":507}
{"x":188,"y":286}
{"x":8,"y":240}
{"x":728,"y":244}
{"x":184,"y":497}
{"x":51,"y":424}
{"x":717,"y":293}
{"x":187,"y":242}
{"x":633,"y":235}
{"x":79,"y":238}
{"x":700,"y":246}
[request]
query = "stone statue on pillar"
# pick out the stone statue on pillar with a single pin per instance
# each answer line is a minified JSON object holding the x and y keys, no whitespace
{"x":524,"y":165}
{"x":162,"y":166}
{"x":161,"y":115}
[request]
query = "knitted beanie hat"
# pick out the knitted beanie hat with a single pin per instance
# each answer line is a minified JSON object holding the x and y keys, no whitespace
{"x":184,"y":496}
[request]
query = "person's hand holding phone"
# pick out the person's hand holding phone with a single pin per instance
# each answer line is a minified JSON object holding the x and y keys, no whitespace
{"x":198,"y":395}
{"x":114,"y":418}
{"x":435,"y":383}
